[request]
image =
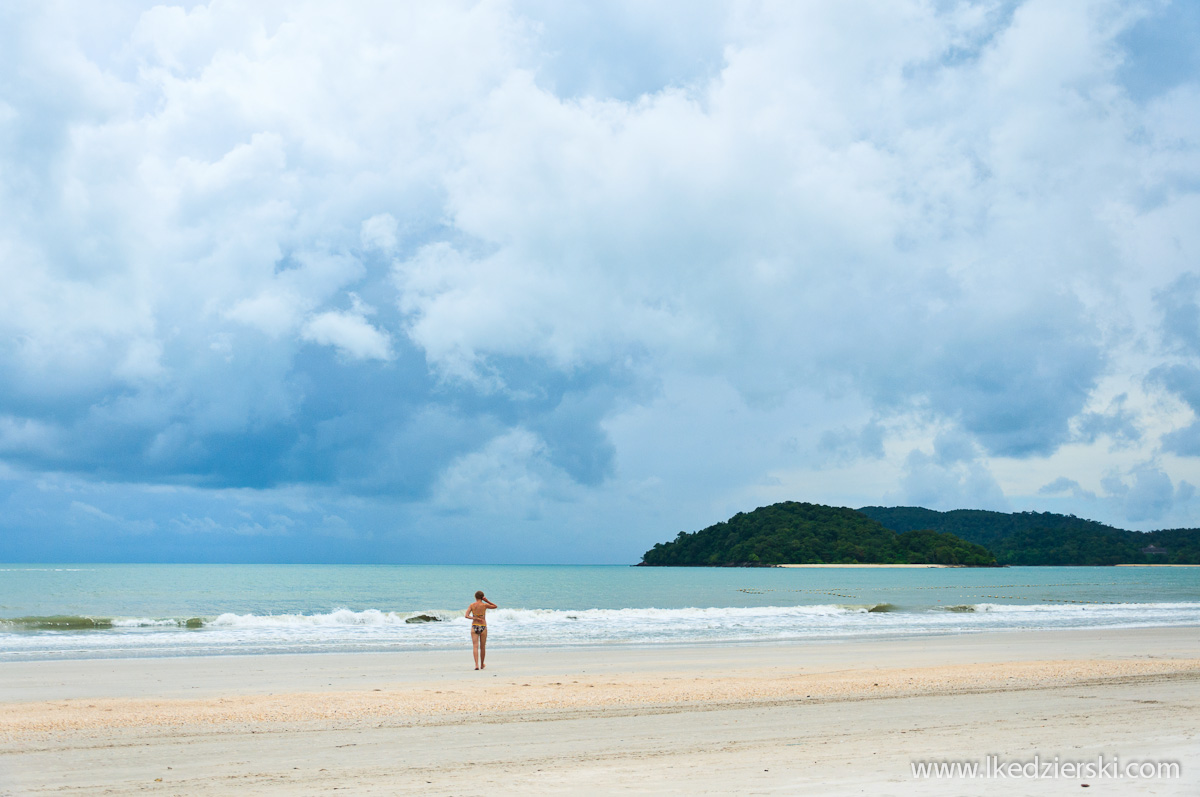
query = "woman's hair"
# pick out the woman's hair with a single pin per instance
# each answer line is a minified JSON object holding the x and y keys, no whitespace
{"x":479,"y":595}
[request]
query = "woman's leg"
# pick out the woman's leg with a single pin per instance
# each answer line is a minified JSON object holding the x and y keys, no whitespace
{"x":475,"y":647}
{"x":482,"y":648}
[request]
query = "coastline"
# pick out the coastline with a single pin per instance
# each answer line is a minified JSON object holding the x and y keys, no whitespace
{"x":868,"y":565}
{"x":722,"y":719}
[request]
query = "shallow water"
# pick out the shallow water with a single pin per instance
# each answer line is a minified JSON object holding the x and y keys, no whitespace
{"x":103,"y":611}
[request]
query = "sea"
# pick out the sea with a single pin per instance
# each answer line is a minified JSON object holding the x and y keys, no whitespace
{"x":102,"y":611}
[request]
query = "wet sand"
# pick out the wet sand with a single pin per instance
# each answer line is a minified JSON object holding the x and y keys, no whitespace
{"x":823,"y":718}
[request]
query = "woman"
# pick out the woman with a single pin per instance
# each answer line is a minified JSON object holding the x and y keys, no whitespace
{"x":477,"y":614}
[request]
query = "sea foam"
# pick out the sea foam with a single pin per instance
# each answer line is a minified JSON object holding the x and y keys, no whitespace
{"x":346,"y":630}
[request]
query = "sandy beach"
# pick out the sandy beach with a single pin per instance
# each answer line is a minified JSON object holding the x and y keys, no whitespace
{"x":834,"y":567}
{"x":831,"y":718}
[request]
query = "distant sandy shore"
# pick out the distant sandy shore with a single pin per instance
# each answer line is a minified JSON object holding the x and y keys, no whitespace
{"x":815,"y":718}
{"x":1163,"y":565}
{"x":869,"y":565}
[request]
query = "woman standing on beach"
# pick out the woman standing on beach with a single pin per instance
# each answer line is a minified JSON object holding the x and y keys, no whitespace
{"x":477,"y":613}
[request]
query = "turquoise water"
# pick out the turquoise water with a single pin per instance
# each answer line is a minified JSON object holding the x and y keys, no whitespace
{"x":96,"y":611}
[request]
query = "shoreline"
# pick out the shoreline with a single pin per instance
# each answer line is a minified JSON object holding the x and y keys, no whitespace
{"x":869,"y":565}
{"x":722,"y":719}
{"x":51,"y":679}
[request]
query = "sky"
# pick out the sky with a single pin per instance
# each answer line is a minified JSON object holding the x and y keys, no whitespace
{"x":538,"y":282}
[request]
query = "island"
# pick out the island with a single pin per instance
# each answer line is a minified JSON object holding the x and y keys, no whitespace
{"x":799,"y":533}
{"x":1046,"y":538}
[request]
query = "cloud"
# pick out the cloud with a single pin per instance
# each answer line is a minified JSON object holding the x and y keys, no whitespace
{"x":952,"y":477}
{"x":87,"y":515}
{"x":88,"y":509}
{"x":1116,"y":422}
{"x":350,"y":333}
{"x":619,"y":50}
{"x":1179,"y":308}
{"x":1150,"y":496}
{"x":847,"y":444}
{"x":379,"y":232}
{"x":509,"y":476}
{"x":1184,"y":492}
{"x":657,"y":281}
{"x":1179,"y":304}
{"x":463,"y":259}
{"x":1063,"y":485}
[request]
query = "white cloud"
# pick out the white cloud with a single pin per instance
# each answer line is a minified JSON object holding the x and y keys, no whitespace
{"x":273,"y":313}
{"x":350,"y":333}
{"x":379,"y":232}
{"x":88,"y":509}
{"x":1064,"y":485}
{"x":19,"y":435}
{"x":509,"y":476}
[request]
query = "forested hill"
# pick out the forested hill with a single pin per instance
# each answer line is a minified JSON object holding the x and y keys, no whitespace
{"x":1044,"y":538}
{"x":795,"y":533}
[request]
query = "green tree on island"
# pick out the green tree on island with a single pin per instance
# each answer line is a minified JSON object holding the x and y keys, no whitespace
{"x":1046,"y":538}
{"x":799,"y":533}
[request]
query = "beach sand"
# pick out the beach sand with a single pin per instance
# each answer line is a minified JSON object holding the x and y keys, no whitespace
{"x":868,"y":565}
{"x":827,"y":718}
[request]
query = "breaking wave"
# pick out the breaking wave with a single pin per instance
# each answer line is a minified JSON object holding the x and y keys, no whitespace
{"x":347,"y":630}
